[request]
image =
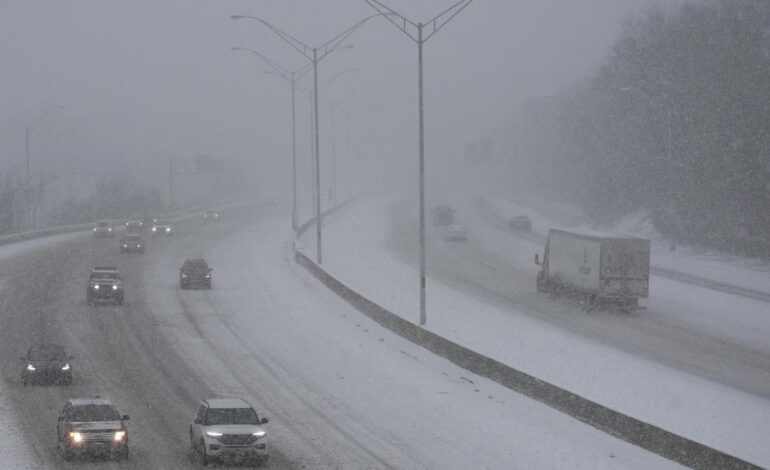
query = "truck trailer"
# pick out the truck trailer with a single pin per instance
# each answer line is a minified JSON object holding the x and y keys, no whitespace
{"x":611,"y":270}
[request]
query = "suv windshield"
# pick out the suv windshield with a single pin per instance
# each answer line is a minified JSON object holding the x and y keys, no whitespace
{"x":196,"y":265}
{"x":94,"y":413}
{"x":47,"y":353}
{"x":231,"y":416}
{"x":105,"y":275}
{"x":103,"y":224}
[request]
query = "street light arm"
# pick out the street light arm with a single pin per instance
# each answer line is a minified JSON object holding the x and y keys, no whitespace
{"x":329,"y":46}
{"x":275,"y":66}
{"x":329,"y":81}
{"x":452,"y":11}
{"x":389,"y":13}
{"x":40,"y":118}
{"x":298,"y":45}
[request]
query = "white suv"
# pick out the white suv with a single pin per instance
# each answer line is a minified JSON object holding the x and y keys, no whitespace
{"x":229,"y":429}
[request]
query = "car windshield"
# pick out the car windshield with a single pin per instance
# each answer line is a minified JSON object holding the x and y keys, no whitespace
{"x":47,"y":353}
{"x":231,"y":416}
{"x":105,"y":275}
{"x":103,"y":224}
{"x":195,"y":266}
{"x":94,"y":413}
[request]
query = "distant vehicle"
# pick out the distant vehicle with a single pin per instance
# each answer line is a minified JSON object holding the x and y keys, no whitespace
{"x":46,"y":363}
{"x":104,"y":229}
{"x":195,"y":272}
{"x":229,"y":430}
{"x":456,"y":233}
{"x":520,"y":223}
{"x":91,"y":426}
{"x":604,"y":270}
{"x":211,"y":215}
{"x":443,"y":215}
{"x":134,"y":226}
{"x":161,"y":228}
{"x":104,"y":284}
{"x":132,"y":243}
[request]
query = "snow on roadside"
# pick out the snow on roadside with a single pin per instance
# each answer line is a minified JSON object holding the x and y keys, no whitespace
{"x":356,"y":251}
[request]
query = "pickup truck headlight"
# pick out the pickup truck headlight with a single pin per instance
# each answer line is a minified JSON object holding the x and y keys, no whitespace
{"x":30,"y":367}
{"x":76,"y":437}
{"x":119,"y":436}
{"x":66,"y":367}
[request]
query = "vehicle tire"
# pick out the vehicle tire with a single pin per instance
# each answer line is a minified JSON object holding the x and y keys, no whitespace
{"x":542,"y":285}
{"x":204,"y":458}
{"x":262,"y":462}
{"x":119,"y":300}
{"x":65,"y":452}
{"x":124,"y":454}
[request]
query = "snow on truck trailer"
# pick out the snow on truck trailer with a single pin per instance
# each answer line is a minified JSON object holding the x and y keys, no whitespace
{"x":603,"y":269}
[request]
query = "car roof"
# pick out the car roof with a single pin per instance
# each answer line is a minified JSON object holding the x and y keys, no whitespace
{"x":224,"y":403}
{"x":83,"y":401}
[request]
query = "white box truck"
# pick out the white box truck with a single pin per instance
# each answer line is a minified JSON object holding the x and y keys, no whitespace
{"x":601,"y":269}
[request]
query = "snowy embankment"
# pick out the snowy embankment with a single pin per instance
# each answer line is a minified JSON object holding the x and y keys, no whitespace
{"x":357,"y":251}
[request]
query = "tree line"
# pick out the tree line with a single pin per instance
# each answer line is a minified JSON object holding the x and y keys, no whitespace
{"x":676,"y":122}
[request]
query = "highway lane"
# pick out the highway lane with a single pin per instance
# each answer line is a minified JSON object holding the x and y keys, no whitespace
{"x":120,"y":351}
{"x":653,"y":334}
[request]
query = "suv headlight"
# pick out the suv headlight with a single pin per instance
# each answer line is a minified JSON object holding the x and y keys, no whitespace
{"x":114,"y":287}
{"x":76,"y":437}
{"x":96,"y":286}
{"x":66,"y":367}
{"x":119,"y":436}
{"x":30,"y":367}
{"x":259,"y":434}
{"x":213,"y":434}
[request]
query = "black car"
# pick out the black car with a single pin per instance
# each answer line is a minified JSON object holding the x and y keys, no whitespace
{"x":132,"y":244}
{"x":134,"y":226}
{"x":195,"y":273}
{"x":91,"y":426}
{"x":104,"y":284}
{"x":46,"y":363}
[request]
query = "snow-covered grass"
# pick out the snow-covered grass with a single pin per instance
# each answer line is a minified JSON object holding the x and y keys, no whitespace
{"x":357,"y":251}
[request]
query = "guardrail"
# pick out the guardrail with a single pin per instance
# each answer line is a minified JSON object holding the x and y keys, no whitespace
{"x":647,"y":436}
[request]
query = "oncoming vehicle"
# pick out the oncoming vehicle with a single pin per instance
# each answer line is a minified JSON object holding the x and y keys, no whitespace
{"x":132,"y":243}
{"x":211,"y":215}
{"x":105,"y":284}
{"x":520,"y":223}
{"x":195,"y":272}
{"x":104,"y":229}
{"x":229,"y":430}
{"x":45,"y":363}
{"x":161,"y":228}
{"x":456,"y":233}
{"x":91,"y":426}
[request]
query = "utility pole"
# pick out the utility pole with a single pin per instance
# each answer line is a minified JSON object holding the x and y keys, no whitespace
{"x":407,"y":27}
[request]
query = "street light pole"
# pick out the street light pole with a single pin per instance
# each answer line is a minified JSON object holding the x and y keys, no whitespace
{"x":327,"y":48}
{"x":437,"y":22}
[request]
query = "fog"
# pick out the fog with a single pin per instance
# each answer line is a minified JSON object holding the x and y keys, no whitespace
{"x":146,"y":81}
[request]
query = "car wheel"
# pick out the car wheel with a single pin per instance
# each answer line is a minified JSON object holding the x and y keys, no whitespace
{"x":120,"y":301}
{"x":66,"y":453}
{"x":89,"y":300}
{"x":124,"y":454}
{"x":204,"y":458}
{"x":262,"y":462}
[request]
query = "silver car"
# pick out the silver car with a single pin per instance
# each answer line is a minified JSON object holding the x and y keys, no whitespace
{"x":456,"y":233}
{"x":229,"y":430}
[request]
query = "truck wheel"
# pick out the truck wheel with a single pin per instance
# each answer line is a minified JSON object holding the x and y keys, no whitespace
{"x":204,"y":458}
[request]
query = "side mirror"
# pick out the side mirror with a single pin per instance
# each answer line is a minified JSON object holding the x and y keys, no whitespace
{"x":197,"y":421}
{"x":263,"y":421}
{"x":537,"y":259}
{"x":125,"y":418}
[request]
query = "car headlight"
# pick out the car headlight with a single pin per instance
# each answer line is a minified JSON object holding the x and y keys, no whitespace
{"x":96,"y":286}
{"x":184,"y":275}
{"x":66,"y":367}
{"x":168,"y":229}
{"x":154,"y":229}
{"x":138,"y":246}
{"x":125,"y":246}
{"x":76,"y":437}
{"x":94,"y":230}
{"x":208,"y":276}
{"x":109,"y":230}
{"x":119,"y":436}
{"x":30,"y":367}
{"x":259,"y":434}
{"x":114,"y":287}
{"x":213,"y":434}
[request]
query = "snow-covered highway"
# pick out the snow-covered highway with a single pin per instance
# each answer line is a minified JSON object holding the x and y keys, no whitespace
{"x":340,"y":391}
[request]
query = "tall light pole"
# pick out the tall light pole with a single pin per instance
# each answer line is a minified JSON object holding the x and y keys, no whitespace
{"x":28,"y":136}
{"x":312,"y":55}
{"x":291,"y":77}
{"x":409,"y":27}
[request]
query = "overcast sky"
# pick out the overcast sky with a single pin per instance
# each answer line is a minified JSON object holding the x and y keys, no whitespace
{"x":147,"y":80}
